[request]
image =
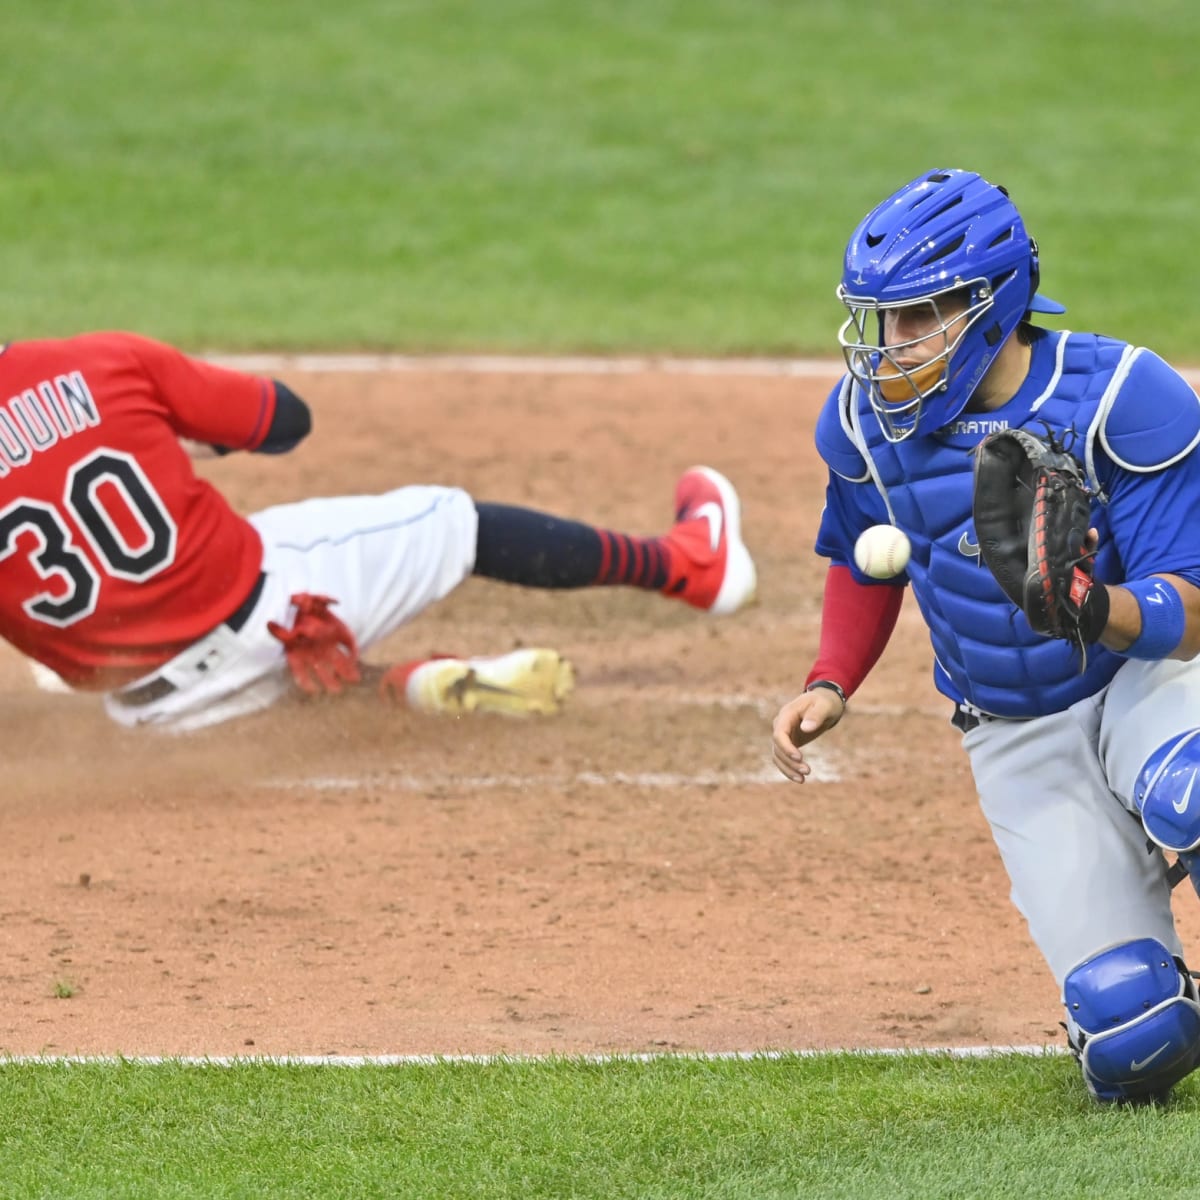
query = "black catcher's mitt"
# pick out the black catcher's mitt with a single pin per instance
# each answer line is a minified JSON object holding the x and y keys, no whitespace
{"x":1032,"y":515}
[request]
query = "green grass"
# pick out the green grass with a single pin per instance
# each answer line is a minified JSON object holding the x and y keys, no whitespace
{"x":827,"y":1126}
{"x":529,"y":175}
{"x":537,"y":175}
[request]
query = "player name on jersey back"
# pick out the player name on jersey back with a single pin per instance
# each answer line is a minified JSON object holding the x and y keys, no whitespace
{"x":40,"y":416}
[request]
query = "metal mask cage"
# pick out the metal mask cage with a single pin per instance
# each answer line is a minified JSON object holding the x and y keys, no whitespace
{"x":897,"y":391}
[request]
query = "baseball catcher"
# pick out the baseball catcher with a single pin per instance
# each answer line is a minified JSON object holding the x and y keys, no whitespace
{"x":1066,"y":742}
{"x":1032,"y":511}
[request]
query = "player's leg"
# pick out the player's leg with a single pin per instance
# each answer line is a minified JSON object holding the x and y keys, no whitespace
{"x":1150,"y":743}
{"x":384,"y":558}
{"x":381,"y":558}
{"x":701,"y":560}
{"x":1133,"y":1020}
{"x":1132,"y":1008}
{"x":1082,"y":873}
{"x":1094,"y":893}
{"x":387,"y":558}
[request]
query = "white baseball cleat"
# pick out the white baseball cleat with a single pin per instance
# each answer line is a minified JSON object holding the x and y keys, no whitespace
{"x":519,"y":684}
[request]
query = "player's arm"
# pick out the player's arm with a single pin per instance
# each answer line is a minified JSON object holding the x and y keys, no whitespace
{"x":220,"y":407}
{"x":1151,"y":444}
{"x":857,"y":620}
{"x":290,"y":424}
{"x":856,"y":623}
{"x":1157,"y":617}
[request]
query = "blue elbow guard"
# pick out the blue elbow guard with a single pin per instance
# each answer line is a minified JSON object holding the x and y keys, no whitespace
{"x":1167,"y":796}
{"x":1133,"y":1020}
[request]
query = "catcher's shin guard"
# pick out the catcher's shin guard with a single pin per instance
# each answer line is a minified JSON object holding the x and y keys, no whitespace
{"x":1133,"y":1021}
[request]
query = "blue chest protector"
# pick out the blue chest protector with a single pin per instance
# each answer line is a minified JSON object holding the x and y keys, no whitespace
{"x":985,"y":652}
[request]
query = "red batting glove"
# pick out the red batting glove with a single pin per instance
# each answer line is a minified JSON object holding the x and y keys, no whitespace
{"x":322,"y":653}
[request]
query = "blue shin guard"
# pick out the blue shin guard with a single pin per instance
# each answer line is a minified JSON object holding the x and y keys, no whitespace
{"x":1133,"y":1020}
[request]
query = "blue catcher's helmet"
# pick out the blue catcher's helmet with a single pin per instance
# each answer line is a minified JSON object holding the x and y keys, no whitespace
{"x":947,"y":236}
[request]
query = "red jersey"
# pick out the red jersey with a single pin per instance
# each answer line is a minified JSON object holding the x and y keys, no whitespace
{"x":114,"y":555}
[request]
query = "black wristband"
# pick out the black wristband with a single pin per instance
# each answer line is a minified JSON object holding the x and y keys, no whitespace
{"x":833,"y":687}
{"x":1093,"y":614}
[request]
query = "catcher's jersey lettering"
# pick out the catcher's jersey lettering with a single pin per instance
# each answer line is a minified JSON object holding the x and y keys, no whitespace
{"x":36,"y":418}
{"x":974,"y":426}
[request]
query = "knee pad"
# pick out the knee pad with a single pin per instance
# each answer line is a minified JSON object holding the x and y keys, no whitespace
{"x":1167,"y":793}
{"x":1133,"y":1020}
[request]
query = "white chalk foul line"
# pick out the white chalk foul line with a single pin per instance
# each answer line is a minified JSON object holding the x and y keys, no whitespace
{"x":514,"y":364}
{"x":433,"y":1060}
{"x":600,"y":779}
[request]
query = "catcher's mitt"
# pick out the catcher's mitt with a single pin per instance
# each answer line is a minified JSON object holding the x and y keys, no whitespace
{"x":1032,"y":516}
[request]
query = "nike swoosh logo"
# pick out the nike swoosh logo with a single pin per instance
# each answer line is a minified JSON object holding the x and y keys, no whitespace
{"x":710,"y":510}
{"x":1134,"y":1065}
{"x":1155,"y":597}
{"x":967,"y":547}
{"x":1181,"y":804}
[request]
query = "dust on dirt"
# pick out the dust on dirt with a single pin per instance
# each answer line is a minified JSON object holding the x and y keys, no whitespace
{"x":344,"y":878}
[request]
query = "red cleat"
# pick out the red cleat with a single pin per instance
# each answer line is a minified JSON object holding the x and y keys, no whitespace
{"x":709,"y":567}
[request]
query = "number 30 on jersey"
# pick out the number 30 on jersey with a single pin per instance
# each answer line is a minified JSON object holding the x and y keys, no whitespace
{"x":94,"y":486}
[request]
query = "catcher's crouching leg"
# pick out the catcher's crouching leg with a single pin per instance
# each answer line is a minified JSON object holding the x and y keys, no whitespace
{"x":1133,"y":1021}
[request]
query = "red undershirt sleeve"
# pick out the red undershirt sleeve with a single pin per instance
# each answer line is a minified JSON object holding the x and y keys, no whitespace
{"x":856,"y":622}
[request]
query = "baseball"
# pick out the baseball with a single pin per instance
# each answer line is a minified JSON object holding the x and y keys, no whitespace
{"x":882,"y":551}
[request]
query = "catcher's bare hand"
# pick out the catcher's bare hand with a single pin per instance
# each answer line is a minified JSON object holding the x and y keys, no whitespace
{"x":799,"y":722}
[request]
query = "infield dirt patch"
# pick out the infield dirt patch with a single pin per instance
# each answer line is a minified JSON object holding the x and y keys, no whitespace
{"x":630,"y":876}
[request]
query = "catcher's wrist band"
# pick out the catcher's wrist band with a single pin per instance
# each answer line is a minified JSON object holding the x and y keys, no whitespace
{"x":1094,"y":613}
{"x":1163,"y":619}
{"x":833,"y":687}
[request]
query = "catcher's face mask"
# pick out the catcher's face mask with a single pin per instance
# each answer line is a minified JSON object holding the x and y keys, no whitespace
{"x":901,"y":352}
{"x":943,"y":231}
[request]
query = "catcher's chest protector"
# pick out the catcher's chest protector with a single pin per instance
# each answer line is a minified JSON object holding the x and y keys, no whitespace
{"x":983,"y":644}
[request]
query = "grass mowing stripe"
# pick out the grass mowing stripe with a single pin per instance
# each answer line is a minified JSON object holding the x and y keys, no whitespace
{"x":527,"y":174}
{"x":856,"y":1125}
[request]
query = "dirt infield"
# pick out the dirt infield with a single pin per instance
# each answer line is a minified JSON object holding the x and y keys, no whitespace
{"x":631,"y":876}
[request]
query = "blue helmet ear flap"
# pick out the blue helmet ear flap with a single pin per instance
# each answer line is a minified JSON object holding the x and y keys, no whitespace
{"x":1042,"y":304}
